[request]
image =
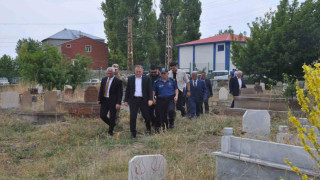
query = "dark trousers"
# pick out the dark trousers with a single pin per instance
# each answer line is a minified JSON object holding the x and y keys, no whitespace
{"x":206,"y":106}
{"x":106,"y":106}
{"x":166,"y":107}
{"x":232,"y":104}
{"x":134,"y":105}
{"x":154,"y":115}
{"x":195,"y":107}
{"x":180,"y":103}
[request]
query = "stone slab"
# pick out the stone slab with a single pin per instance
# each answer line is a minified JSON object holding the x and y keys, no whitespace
{"x":10,"y":100}
{"x":256,"y":123}
{"x":50,"y":101}
{"x":223,"y":94}
{"x":26,"y":100}
{"x":151,"y":167}
{"x":91,"y":94}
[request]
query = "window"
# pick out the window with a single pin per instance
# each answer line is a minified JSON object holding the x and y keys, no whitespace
{"x":73,"y":62}
{"x":220,"y":47}
{"x":68,"y":45}
{"x":88,"y":48}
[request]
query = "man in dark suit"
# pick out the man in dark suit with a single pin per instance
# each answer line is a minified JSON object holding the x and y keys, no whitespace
{"x":235,"y":85}
{"x":209,"y":91}
{"x":110,"y":96}
{"x":139,"y":95}
{"x":198,"y":94}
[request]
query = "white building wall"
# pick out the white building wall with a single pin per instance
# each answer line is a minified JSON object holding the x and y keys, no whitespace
{"x":232,"y":66}
{"x":186,"y":57}
{"x":220,"y":57}
{"x":204,"y":57}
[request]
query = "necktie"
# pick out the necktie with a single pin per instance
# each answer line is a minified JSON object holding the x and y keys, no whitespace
{"x":194,"y":83}
{"x":107,"y":87}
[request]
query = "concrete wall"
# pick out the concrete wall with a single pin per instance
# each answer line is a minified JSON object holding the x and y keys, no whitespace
{"x":242,"y":158}
{"x":186,"y":57}
{"x":220,"y":57}
{"x":203,"y":56}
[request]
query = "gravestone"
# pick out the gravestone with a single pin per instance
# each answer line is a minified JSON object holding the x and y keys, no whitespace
{"x":151,"y":167}
{"x":50,"y":101}
{"x":26,"y":100}
{"x":223,"y":94}
{"x":91,"y":94}
{"x":258,"y":88}
{"x":256,"y":123}
{"x":58,"y":93}
{"x":68,"y":94}
{"x":246,"y":91}
{"x":283,"y":136}
{"x":303,"y":121}
{"x":263,"y":85}
{"x":9,"y":100}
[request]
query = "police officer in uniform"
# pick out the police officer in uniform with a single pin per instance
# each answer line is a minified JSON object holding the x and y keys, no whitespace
{"x":167,"y":90}
{"x":153,"y":111}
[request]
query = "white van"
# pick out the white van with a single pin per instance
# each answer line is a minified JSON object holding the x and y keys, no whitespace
{"x":222,"y":74}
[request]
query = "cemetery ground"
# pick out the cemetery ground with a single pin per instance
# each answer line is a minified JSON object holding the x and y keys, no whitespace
{"x":80,"y":148}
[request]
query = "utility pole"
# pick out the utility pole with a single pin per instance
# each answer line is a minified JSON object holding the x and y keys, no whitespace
{"x":169,"y":41}
{"x":130,"y":46}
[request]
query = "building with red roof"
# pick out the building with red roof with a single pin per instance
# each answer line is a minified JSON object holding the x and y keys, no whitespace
{"x":212,"y":53}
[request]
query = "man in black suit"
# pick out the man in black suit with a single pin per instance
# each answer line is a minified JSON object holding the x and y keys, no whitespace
{"x":209,"y":92}
{"x":139,"y":95}
{"x":110,"y":96}
{"x":235,"y":85}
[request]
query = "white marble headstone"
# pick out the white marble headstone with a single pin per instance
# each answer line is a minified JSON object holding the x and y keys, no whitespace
{"x":263,"y":85}
{"x":151,"y":167}
{"x":256,"y":123}
{"x":10,"y":100}
{"x":223,"y":94}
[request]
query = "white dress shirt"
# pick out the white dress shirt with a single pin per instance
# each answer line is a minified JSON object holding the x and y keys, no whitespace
{"x":138,"y":87}
{"x":109,"y":85}
{"x":240,"y":82}
{"x":194,"y":83}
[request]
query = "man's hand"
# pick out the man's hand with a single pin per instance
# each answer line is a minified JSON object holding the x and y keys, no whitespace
{"x":154,"y":101}
{"x":99,"y":102}
{"x":125,"y":103}
{"x":117,"y":106}
{"x":175,"y":98}
{"x":188,"y":94}
{"x":150,"y":103}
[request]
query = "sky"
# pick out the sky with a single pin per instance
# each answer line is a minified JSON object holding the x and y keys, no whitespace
{"x":39,"y":19}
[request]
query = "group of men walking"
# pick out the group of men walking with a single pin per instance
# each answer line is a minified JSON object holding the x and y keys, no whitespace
{"x":156,"y":96}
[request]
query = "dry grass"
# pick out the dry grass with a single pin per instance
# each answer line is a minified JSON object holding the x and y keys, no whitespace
{"x":81,"y":148}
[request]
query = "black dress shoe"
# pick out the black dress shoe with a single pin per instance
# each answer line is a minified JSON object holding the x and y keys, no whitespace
{"x":110,"y":133}
{"x":133,"y":135}
{"x":148,"y":132}
{"x":171,"y":126}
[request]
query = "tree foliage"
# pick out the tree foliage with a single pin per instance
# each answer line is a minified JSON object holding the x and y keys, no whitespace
{"x":33,"y":45}
{"x":188,"y":27}
{"x":8,"y":67}
{"x":281,"y":42}
{"x":49,"y":68}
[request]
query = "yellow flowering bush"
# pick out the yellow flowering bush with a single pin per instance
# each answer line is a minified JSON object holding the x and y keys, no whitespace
{"x":310,"y":105}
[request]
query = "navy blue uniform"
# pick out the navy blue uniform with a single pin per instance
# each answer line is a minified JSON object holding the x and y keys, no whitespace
{"x":165,"y":101}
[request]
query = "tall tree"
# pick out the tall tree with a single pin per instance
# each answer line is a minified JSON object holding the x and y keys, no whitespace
{"x":8,"y":67}
{"x":33,"y":45}
{"x":173,"y":7}
{"x":146,"y":46}
{"x":188,"y":22}
{"x":281,"y":42}
{"x":116,"y":13}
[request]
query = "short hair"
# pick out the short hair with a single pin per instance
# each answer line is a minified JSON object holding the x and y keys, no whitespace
{"x":110,"y":69}
{"x":138,"y":66}
{"x":153,"y":67}
{"x":194,"y":72}
{"x":203,"y":72}
{"x":173,"y":63}
{"x":240,"y":72}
